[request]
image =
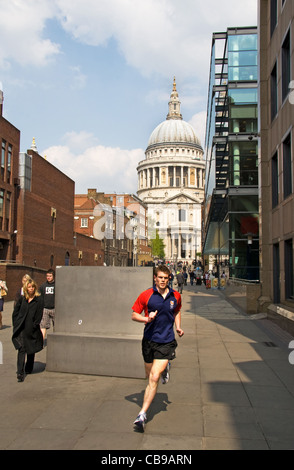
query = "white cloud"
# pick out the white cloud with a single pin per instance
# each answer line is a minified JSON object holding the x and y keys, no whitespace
{"x":198,"y":121}
{"x":21,"y":27}
{"x":156,"y":36}
{"x":163,"y":37}
{"x":104,"y":168}
{"x":79,"y":141}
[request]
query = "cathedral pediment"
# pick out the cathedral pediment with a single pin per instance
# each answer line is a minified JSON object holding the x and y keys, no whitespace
{"x":182,"y":198}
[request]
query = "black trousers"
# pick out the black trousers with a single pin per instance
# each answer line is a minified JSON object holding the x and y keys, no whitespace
{"x":21,"y":358}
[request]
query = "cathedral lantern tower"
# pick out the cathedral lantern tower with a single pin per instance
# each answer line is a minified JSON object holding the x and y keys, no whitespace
{"x":171,"y":181}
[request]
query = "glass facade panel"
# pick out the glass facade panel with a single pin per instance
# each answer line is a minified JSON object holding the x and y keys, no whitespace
{"x":244,"y":204}
{"x":243,"y":95}
{"x":243,"y":224}
{"x":243,"y":73}
{"x":243,"y":164}
{"x":244,"y":260}
{"x":242,"y":42}
{"x":242,"y":57}
{"x":243,"y":119}
{"x":243,"y":112}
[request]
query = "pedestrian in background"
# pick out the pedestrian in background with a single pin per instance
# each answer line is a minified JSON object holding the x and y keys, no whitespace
{"x":180,"y":281}
{"x":19,"y":293}
{"x":191,"y":273}
{"x":171,"y":280}
{"x":3,"y":292}
{"x":27,"y":337}
{"x":47,"y":291}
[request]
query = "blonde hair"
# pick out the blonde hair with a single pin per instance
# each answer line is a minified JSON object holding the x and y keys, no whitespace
{"x":25,"y":288}
{"x":25,"y":278}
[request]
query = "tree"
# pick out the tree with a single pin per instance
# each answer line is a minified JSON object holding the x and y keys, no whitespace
{"x":157,"y":246}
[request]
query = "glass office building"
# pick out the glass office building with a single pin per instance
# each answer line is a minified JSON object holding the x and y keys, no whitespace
{"x":231,"y":208}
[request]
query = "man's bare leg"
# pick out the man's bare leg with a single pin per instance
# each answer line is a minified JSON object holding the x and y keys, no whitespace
{"x":155,"y":371}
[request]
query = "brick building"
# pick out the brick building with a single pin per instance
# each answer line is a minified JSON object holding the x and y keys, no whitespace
{"x":135,"y":205}
{"x":9,"y":138}
{"x":36,"y":215}
{"x":96,"y":216}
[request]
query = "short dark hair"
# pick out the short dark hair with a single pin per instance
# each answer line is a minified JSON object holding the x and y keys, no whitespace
{"x":50,"y":271}
{"x":161,"y":268}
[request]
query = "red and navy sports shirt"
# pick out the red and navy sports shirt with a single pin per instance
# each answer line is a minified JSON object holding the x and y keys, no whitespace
{"x":161,"y":328}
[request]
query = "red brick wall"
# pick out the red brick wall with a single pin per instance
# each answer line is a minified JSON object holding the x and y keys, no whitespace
{"x":11,"y":135}
{"x":41,"y":237}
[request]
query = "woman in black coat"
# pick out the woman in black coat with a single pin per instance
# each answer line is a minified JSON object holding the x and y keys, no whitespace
{"x":27,"y":337}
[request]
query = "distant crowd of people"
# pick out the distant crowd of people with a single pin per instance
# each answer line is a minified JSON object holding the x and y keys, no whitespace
{"x":180,"y":278}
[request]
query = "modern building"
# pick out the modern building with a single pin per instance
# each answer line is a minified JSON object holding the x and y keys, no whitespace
{"x":171,"y":183}
{"x":276,"y":58}
{"x":231,"y":208}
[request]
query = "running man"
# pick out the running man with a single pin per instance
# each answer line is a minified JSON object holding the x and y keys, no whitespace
{"x":162,"y":309}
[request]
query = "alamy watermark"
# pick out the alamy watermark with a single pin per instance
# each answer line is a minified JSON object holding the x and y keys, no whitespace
{"x":174,"y":219}
{"x":291,"y":355}
{"x":291,"y":94}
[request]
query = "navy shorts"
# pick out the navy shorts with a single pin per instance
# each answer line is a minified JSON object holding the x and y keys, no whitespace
{"x":152,"y":350}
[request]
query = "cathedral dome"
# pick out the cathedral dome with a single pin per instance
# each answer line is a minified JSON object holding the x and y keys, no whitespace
{"x":174,"y":131}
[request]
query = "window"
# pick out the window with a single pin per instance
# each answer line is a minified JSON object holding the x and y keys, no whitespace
{"x":274,"y":92}
{"x":289,"y":276}
{"x":287,"y":166}
{"x":84,"y":222}
{"x":170,"y":176}
{"x":276,"y":273}
{"x":1,"y":208}
{"x":275,"y":181}
{"x":9,"y":158}
{"x":286,"y":66}
{"x":182,"y":215}
{"x":185,"y":176}
{"x":3,"y":150}
{"x":274,"y":15}
{"x":7,"y":211}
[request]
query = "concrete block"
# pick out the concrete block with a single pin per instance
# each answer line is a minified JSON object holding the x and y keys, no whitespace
{"x":93,"y":332}
{"x":114,"y":356}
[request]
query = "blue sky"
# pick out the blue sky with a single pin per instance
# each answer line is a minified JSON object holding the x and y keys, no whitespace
{"x":91,"y":79}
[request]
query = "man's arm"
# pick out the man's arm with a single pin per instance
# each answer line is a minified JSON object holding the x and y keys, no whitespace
{"x":139,"y":318}
{"x":178,"y":323}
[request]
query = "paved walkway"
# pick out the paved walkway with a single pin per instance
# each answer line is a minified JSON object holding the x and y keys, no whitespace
{"x":231,"y":387}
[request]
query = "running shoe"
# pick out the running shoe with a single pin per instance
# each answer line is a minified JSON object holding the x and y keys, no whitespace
{"x":165,"y":374}
{"x":140,"y":422}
